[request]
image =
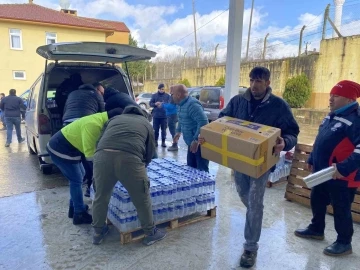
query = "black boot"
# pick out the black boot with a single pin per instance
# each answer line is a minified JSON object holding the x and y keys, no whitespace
{"x":338,"y":249}
{"x":83,"y":218}
{"x":163,"y":144}
{"x":71,"y":210}
{"x":174,"y":147}
{"x":308,"y":233}
{"x":248,"y":259}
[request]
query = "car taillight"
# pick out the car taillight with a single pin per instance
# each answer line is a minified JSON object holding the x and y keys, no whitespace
{"x":44,"y":124}
{"x":222,"y":102}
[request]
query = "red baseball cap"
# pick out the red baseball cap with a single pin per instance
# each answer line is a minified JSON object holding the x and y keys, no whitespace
{"x":348,"y":89}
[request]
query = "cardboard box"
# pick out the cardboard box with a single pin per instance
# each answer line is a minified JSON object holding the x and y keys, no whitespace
{"x":240,"y":145}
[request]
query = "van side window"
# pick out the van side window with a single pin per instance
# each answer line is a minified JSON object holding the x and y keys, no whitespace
{"x":35,"y":90}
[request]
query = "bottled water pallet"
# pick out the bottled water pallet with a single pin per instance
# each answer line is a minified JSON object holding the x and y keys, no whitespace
{"x":178,"y":194}
{"x":138,"y":234}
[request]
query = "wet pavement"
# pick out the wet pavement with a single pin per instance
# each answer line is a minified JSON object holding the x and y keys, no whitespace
{"x":35,"y":232}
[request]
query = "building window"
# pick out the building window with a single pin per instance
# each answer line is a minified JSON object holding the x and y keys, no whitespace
{"x":50,"y":38}
{"x":15,"y":39}
{"x":19,"y":75}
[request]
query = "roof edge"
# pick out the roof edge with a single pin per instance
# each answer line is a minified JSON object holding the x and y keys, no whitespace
{"x":107,"y":30}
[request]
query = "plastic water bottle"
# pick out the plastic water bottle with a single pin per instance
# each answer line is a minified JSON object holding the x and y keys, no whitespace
{"x":208,"y":201}
{"x":122,"y":220}
{"x":153,"y":194}
{"x":193,"y":205}
{"x":187,"y":186}
{"x":213,"y":185}
{"x":212,"y":200}
{"x":179,"y":208}
{"x":155,"y":213}
{"x":179,"y":190}
{"x":171,"y":211}
{"x":160,"y":193}
{"x":173,"y":192}
{"x":166,"y":193}
{"x":186,"y":207}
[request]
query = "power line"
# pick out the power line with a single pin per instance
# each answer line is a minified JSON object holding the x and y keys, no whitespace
{"x":199,"y":28}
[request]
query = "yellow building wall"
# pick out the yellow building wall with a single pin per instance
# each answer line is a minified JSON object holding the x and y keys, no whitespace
{"x":118,"y":37}
{"x":339,"y":59}
{"x":27,"y":59}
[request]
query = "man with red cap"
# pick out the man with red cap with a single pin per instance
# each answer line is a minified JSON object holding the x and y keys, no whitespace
{"x":338,"y":145}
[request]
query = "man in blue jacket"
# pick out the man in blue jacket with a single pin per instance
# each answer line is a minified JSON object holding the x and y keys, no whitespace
{"x":159,"y":114}
{"x":191,"y":118}
{"x":172,"y":119}
{"x":338,"y":145}
{"x":259,"y":105}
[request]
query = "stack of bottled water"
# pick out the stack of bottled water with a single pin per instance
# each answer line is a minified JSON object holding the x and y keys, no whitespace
{"x":176,"y":191}
{"x":282,"y":169}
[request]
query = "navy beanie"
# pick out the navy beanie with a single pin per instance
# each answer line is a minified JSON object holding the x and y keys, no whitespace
{"x":161,"y":85}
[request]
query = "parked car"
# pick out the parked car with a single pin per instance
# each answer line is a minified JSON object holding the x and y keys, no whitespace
{"x":194,"y":92}
{"x":95,"y":62}
{"x":212,"y":99}
{"x":143,"y":100}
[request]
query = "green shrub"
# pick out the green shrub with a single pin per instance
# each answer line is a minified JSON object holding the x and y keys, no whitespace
{"x":185,"y":82}
{"x":221,"y":81}
{"x":297,"y":91}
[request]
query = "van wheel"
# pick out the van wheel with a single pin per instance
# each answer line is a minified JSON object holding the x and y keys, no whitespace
{"x":47,"y":170}
{"x":143,"y":105}
{"x":31,"y":152}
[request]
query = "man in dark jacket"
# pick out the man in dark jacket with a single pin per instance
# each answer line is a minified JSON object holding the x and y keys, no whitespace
{"x":65,"y":88}
{"x":115,"y":99}
{"x":124,"y":150}
{"x":85,"y":101}
{"x":259,"y":105}
{"x":159,"y":113}
{"x":11,"y":106}
{"x":338,"y":145}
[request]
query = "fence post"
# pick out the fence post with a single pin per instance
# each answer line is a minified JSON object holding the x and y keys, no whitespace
{"x":265,"y":41}
{"x":301,"y":37}
{"x":326,"y":15}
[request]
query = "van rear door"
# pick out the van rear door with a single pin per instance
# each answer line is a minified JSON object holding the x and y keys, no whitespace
{"x":93,"y":52}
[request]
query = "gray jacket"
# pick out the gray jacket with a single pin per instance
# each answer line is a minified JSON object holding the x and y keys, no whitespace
{"x":130,"y":132}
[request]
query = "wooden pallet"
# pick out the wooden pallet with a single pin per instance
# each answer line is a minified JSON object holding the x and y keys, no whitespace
{"x":296,"y":189}
{"x":138,"y":234}
{"x":281,"y":181}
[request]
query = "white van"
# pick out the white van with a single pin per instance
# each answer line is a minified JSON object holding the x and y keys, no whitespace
{"x":95,"y":62}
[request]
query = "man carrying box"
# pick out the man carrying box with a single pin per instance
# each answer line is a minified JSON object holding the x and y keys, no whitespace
{"x":259,"y":105}
{"x":337,"y":144}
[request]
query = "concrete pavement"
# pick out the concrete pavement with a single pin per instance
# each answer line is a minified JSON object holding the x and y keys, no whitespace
{"x":35,"y":232}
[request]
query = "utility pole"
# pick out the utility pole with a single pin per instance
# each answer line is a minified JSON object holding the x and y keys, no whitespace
{"x":198,"y":57}
{"x":185,"y":59}
{"x":306,"y":47}
{"x":326,"y":16}
{"x":248,"y":41}
{"x":301,"y":37}
{"x":215,"y":58}
{"x":265,"y":42}
{"x":196,"y":48}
